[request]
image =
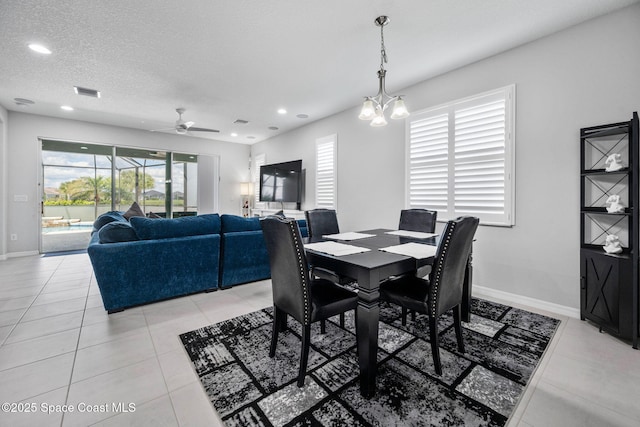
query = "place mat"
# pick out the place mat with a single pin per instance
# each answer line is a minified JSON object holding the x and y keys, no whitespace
{"x":348,"y":236}
{"x":335,"y":248}
{"x":415,"y":250}
{"x":414,"y":234}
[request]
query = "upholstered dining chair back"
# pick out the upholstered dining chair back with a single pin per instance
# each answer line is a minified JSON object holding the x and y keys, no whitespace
{"x":289,"y":270}
{"x":447,"y":275}
{"x":422,"y":220}
{"x":295,"y":292}
{"x":321,"y":222}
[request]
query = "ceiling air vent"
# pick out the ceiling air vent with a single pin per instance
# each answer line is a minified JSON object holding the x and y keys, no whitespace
{"x":86,"y":92}
{"x":241,"y":122}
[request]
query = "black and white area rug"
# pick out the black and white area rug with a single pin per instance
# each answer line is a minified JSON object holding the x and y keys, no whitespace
{"x":478,"y":388}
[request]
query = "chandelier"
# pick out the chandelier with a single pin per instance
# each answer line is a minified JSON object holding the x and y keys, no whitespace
{"x":374,"y":106}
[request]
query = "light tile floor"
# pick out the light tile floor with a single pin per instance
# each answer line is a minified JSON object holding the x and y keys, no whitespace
{"x":59,"y":347}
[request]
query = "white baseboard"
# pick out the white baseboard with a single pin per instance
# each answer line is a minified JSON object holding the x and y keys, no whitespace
{"x":563,"y":310}
{"x":21,"y":254}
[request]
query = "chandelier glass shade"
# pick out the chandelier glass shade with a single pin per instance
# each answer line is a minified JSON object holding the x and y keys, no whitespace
{"x":374,"y":107}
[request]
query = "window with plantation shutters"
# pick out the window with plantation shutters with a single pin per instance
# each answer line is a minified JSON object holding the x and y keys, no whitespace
{"x":326,"y":172}
{"x":259,"y":160}
{"x":460,"y":158}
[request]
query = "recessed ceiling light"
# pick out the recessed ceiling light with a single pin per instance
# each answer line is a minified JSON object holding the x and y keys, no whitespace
{"x":39,"y":48}
{"x":23,"y":101}
{"x":234,"y":134}
{"x":84,"y":148}
{"x":282,"y":111}
{"x":302,"y":116}
{"x":273,"y":128}
{"x":251,"y":137}
{"x":66,"y":108}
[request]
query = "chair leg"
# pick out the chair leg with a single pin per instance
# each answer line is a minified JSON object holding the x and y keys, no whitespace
{"x":435,"y":344}
{"x":342,"y":320}
{"x":304,"y":354}
{"x":457,"y":315}
{"x":282,"y":321}
{"x":277,"y":316}
{"x":404,"y":316}
{"x":413,"y":315}
{"x":323,"y":327}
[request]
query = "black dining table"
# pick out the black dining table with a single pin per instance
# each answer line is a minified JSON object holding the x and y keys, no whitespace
{"x":369,"y":269}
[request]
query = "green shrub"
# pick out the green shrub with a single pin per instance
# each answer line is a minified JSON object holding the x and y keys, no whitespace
{"x":68,"y":203}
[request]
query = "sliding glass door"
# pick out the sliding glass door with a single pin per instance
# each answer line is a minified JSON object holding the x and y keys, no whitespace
{"x":80,"y":182}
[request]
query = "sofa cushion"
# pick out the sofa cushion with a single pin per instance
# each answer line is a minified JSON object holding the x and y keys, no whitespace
{"x":134,"y":210}
{"x":117,"y":231}
{"x":233,"y":223}
{"x":302,"y":225}
{"x":161,"y":228}
{"x":106,"y":218}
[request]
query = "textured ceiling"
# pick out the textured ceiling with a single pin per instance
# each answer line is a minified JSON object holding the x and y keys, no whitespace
{"x":244,"y":59}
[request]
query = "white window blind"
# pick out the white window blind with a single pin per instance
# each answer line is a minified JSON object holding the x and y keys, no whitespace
{"x":460,"y":158}
{"x":259,"y":160}
{"x":326,"y":172}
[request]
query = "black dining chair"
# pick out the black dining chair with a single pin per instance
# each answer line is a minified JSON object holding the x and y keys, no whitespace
{"x":422,"y":220}
{"x":442,"y":291}
{"x":321,"y":222}
{"x":295,"y":291}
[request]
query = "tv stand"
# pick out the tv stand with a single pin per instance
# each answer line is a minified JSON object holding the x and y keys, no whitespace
{"x":290,"y":213}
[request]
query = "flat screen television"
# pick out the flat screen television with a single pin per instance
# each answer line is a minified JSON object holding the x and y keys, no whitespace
{"x":280,"y":182}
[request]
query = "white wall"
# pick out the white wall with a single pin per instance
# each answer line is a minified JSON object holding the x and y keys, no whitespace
{"x":583,"y":76}
{"x":24,"y":174}
{"x":3,"y":181}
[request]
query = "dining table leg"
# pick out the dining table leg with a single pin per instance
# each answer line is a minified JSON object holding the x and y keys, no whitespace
{"x":368,"y":315}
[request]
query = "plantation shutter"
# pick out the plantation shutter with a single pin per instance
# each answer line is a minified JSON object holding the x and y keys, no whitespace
{"x":460,"y":158}
{"x":479,"y":165}
{"x":429,"y":162}
{"x":326,"y":172}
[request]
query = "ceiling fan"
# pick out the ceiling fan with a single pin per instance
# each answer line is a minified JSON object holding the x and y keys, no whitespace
{"x":183,"y":127}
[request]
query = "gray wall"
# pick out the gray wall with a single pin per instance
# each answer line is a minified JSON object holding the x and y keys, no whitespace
{"x":583,"y":76}
{"x":24,"y":163}
{"x":3,"y":182}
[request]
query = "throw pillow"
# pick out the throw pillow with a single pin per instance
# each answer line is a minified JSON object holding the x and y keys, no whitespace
{"x":117,"y":231}
{"x":134,"y":210}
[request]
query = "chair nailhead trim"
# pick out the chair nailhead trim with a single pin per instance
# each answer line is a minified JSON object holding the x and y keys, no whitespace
{"x":443,"y":255}
{"x":301,"y":266}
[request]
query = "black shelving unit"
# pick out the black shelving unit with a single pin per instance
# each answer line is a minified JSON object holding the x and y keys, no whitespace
{"x":609,"y":288}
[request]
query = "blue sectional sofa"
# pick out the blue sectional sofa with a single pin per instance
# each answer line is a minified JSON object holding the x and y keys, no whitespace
{"x":244,"y":255}
{"x":145,"y":260}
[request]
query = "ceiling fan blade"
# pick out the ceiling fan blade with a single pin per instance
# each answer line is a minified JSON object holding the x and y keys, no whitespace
{"x":162,"y":130}
{"x":203,"y":130}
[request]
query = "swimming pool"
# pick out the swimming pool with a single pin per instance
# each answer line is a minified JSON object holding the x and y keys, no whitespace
{"x":79,"y":227}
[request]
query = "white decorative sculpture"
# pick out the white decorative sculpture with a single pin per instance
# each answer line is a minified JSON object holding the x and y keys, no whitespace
{"x":612,"y":244}
{"x":614,"y":204}
{"x":614,"y":163}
